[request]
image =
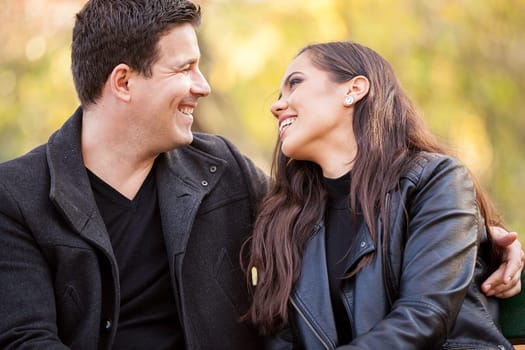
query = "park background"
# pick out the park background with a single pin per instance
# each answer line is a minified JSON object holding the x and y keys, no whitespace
{"x":462,"y":62}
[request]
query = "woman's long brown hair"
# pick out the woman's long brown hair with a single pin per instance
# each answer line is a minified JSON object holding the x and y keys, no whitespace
{"x":388,"y":131}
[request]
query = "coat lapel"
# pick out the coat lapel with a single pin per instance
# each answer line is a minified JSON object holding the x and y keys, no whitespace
{"x":361,"y":246}
{"x":183,"y":180}
{"x":312,"y":290}
{"x":70,"y":189}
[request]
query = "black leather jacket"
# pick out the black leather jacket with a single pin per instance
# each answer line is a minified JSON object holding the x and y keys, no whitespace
{"x":421,"y":290}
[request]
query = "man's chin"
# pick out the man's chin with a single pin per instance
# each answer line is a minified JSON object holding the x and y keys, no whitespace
{"x":184,"y":140}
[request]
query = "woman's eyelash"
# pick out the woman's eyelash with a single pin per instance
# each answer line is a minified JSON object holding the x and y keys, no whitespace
{"x":294,"y":81}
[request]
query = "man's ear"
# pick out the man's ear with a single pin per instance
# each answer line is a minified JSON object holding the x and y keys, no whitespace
{"x":358,"y":87}
{"x":118,"y":82}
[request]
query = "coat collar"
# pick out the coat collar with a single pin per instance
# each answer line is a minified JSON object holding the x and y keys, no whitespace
{"x":363,"y":245}
{"x":70,"y":187}
{"x":184,"y":177}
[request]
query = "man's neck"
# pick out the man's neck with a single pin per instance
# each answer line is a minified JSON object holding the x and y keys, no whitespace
{"x":108,"y":154}
{"x":126,"y":180}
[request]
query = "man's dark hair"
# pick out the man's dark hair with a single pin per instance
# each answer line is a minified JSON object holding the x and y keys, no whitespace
{"x":110,"y":32}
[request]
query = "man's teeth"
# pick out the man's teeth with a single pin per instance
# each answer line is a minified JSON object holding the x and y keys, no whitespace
{"x":286,"y":123}
{"x":186,"y":110}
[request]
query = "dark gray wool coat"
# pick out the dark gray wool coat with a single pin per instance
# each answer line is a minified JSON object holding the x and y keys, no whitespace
{"x":59,"y":284}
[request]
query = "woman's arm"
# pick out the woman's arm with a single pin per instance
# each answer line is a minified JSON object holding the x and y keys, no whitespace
{"x":439,"y":258}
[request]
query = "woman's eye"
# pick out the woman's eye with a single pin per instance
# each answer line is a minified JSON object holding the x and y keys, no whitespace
{"x":294,"y":82}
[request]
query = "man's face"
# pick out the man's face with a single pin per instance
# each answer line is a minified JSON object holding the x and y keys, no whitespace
{"x":163,"y":104}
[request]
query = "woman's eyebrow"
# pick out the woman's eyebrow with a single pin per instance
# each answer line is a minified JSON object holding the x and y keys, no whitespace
{"x":288,"y":77}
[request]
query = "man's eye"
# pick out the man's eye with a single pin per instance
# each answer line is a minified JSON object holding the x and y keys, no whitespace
{"x":185,"y":69}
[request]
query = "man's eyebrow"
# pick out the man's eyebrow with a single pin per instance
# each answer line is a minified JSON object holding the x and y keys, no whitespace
{"x":187,"y":62}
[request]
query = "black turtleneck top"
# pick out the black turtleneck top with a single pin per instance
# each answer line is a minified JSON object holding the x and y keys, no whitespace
{"x":341,"y":229}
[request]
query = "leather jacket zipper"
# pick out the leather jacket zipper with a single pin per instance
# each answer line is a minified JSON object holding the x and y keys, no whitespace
{"x":309,"y":324}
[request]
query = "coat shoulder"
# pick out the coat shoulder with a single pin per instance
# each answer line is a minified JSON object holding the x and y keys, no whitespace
{"x":25,"y":169}
{"x":424,"y":164}
{"x":213,"y":144}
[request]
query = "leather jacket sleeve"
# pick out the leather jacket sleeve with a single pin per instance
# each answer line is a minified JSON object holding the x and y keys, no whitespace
{"x":442,"y":224}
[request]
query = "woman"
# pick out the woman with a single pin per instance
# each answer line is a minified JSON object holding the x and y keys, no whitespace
{"x":368,"y":218}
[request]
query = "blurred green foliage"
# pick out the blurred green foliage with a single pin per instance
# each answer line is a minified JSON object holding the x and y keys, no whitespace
{"x":462,"y":62}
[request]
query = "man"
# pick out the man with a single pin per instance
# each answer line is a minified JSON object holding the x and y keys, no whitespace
{"x":124,"y":230}
{"x":114,"y":235}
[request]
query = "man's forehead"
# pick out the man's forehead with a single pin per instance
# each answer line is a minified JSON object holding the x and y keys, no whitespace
{"x":180,"y":42}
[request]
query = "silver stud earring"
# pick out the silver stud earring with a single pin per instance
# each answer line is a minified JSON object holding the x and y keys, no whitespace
{"x":349,"y":99}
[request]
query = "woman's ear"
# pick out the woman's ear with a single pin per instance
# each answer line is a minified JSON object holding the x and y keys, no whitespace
{"x":118,"y":82}
{"x":358,"y":87}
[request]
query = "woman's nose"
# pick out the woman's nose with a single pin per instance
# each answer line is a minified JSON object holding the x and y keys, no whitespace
{"x":278,"y":107}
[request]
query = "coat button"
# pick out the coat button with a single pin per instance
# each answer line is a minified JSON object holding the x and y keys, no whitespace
{"x":204,"y":183}
{"x":363,"y":244}
{"x":213,"y":169}
{"x":107,"y":325}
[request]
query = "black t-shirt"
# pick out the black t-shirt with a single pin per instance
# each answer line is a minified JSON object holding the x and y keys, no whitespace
{"x":148,"y":313}
{"x":341,"y":228}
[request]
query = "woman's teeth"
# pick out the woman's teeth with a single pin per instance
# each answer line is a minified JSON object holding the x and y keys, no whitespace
{"x":286,"y":123}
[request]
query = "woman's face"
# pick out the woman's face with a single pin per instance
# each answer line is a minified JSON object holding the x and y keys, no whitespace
{"x":313,"y":122}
